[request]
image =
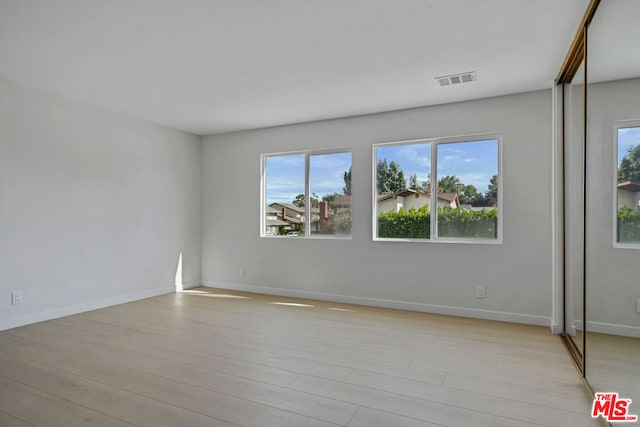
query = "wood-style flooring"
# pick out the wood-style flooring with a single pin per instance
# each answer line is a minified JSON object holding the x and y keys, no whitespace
{"x":210,"y":357}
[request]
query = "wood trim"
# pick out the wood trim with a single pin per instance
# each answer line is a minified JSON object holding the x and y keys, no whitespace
{"x":575,"y":54}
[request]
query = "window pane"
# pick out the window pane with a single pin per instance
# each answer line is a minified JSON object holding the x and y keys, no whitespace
{"x":284,"y":186}
{"x":628,"y":186}
{"x":467,"y":189}
{"x":330,"y":193}
{"x":403,"y":190}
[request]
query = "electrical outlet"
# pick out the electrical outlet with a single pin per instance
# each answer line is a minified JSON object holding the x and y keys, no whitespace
{"x":638,"y":305}
{"x":481,"y":291}
{"x":243,"y":272}
{"x":17,"y":297}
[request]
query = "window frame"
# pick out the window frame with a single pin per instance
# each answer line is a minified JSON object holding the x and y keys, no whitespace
{"x":617,"y":125}
{"x":307,"y":195}
{"x":433,"y":144}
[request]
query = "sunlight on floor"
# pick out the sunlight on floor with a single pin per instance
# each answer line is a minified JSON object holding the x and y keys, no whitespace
{"x":211,"y":295}
{"x":292,"y":304}
{"x":342,"y":309}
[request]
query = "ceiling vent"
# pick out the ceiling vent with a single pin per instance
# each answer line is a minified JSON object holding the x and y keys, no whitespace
{"x":456,"y":79}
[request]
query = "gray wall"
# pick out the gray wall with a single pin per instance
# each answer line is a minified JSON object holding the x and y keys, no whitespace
{"x":95,"y":207}
{"x":434,"y":277}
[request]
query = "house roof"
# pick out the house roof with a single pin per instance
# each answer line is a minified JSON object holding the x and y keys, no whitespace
{"x":450,"y":197}
{"x":341,"y":202}
{"x":289,"y":207}
{"x":629,"y":186}
{"x":403,"y":193}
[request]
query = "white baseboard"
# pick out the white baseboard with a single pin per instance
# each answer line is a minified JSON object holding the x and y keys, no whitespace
{"x":555,"y":328}
{"x":613,"y":329}
{"x":400,"y":305}
{"x":610,"y":328}
{"x":190,"y":285}
{"x":81,"y":308}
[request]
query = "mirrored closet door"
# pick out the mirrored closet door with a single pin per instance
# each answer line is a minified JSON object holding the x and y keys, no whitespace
{"x":612,"y":209}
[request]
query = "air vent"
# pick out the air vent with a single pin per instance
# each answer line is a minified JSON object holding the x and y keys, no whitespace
{"x":456,"y":79}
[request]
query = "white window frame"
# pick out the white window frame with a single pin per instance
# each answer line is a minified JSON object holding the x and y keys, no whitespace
{"x":434,"y":143}
{"x":620,"y":124}
{"x":307,"y":195}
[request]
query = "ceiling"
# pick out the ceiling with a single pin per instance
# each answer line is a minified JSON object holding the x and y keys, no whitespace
{"x":214,"y":66}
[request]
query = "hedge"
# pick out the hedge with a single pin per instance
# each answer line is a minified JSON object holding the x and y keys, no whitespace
{"x":451,"y":223}
{"x":628,"y":225}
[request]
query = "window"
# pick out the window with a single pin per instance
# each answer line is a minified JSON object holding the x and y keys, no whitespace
{"x":627,"y":191}
{"x":307,"y":194}
{"x":462,"y":207}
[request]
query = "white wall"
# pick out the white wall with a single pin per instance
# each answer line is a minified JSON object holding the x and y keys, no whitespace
{"x":433,"y":277}
{"x":95,"y":207}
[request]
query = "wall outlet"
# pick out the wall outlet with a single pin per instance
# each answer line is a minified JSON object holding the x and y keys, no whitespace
{"x":481,"y":291}
{"x":638,"y":305}
{"x":243,"y":272}
{"x":17,"y":297}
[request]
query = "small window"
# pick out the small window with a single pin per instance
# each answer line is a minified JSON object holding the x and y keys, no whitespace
{"x":627,"y":192}
{"x":307,"y":194}
{"x":462,"y":206}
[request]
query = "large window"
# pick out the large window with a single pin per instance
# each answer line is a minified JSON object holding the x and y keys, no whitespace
{"x":463,"y":206}
{"x":627,"y":191}
{"x":307,"y":194}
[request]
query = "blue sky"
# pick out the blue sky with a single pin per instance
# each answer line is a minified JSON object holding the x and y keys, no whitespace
{"x":473,"y":162}
{"x":627,"y":137}
{"x":285,"y":175}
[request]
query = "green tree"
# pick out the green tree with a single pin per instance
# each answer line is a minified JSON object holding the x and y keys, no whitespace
{"x":389,"y":177}
{"x":629,"y":169}
{"x":330,"y":197}
{"x":469,"y":195}
{"x":449,"y":184}
{"x":347,"y":183}
{"x":491,"y":196}
{"x":299,"y":201}
{"x":413,"y":182}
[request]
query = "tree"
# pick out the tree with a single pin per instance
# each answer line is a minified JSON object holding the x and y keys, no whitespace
{"x":491,"y":196}
{"x":389,"y":177}
{"x":449,"y":184}
{"x":330,"y":197}
{"x":299,"y":201}
{"x":469,"y":195}
{"x":347,"y":183}
{"x":413,"y":182}
{"x":629,"y":169}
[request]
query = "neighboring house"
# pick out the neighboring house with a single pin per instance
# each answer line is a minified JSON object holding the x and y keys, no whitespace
{"x":341,"y":204}
{"x":629,"y":195}
{"x":448,"y":200}
{"x":273,"y":222}
{"x":288,"y":216}
{"x":408,"y":199}
{"x":291,"y":217}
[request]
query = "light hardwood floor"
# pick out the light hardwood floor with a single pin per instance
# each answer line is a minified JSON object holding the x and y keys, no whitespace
{"x":209,"y":357}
